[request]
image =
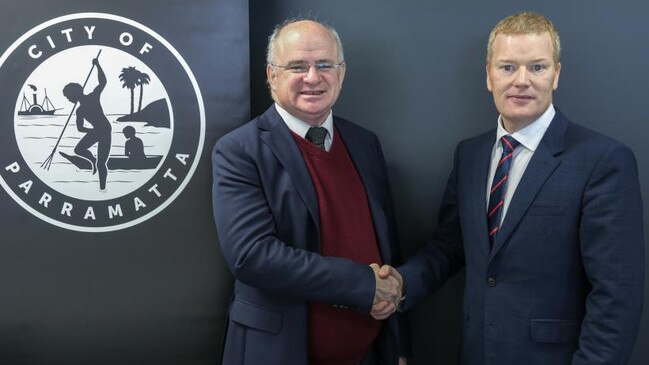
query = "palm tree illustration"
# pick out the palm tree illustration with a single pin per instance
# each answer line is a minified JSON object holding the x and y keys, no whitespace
{"x":142,"y":79}
{"x":129,"y":78}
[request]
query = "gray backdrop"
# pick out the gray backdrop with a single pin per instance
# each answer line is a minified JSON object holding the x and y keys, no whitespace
{"x":157,"y":292}
{"x":415,"y":76}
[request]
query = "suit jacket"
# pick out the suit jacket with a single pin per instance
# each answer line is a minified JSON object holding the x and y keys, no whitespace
{"x":563,"y":283}
{"x":267,"y":218}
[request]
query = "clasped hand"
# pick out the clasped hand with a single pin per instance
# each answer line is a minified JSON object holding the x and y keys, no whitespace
{"x":389,"y":291}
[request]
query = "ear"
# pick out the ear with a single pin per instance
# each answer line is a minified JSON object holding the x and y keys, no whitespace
{"x":488,"y":78}
{"x":271,"y":76}
{"x":341,"y":75}
{"x":557,"y":71}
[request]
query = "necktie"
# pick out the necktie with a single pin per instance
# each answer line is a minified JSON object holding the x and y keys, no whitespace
{"x":316,"y":135}
{"x":498,"y":186}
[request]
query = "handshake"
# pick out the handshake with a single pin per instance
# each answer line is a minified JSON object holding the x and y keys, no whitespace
{"x":389,"y":291}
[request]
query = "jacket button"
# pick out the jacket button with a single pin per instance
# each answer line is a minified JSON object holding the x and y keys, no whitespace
{"x":491,"y":282}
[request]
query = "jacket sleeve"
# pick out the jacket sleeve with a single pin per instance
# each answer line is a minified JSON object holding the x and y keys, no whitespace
{"x":248,"y":240}
{"x":612,"y":251}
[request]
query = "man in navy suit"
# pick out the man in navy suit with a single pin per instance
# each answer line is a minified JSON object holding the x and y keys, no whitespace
{"x":303,"y":207}
{"x":545,"y":215}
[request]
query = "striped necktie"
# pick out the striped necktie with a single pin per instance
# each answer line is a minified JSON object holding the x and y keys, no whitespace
{"x":499,"y":185}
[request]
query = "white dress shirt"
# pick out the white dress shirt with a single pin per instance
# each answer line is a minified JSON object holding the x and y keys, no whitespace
{"x":300,"y":127}
{"x":529,"y":138}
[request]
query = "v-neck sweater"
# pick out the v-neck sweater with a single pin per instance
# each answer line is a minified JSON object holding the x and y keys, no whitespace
{"x":340,"y":336}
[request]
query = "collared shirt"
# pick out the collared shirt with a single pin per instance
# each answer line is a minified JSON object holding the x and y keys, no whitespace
{"x":300,"y":127}
{"x":530,"y":138}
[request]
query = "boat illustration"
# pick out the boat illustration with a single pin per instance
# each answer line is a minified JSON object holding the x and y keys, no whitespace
{"x":34,"y":108}
{"x":116,"y":162}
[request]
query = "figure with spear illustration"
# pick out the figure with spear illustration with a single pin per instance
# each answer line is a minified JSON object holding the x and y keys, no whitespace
{"x":99,"y":132}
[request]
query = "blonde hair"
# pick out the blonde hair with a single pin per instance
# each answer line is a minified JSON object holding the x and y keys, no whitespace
{"x":525,"y":23}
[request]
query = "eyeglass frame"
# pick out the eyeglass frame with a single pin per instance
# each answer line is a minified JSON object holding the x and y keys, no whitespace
{"x":316,"y":66}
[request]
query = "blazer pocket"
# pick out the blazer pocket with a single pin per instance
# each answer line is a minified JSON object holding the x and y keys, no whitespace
{"x":554,"y":330}
{"x":546,"y":210}
{"x":256,"y":317}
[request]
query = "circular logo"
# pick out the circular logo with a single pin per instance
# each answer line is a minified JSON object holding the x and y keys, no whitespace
{"x":103,"y":122}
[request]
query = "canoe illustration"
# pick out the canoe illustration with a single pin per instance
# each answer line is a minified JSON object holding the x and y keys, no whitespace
{"x":116,"y":162}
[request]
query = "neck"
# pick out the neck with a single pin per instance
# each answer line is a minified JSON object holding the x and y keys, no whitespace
{"x":515,"y":126}
{"x":315,"y":123}
{"x":312,"y":121}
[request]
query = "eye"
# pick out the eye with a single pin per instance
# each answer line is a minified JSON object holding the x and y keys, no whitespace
{"x":324,"y":66}
{"x":507,"y":68}
{"x":537,"y":67}
{"x":298,"y":68}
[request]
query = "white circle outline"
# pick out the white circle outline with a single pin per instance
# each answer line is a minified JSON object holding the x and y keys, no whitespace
{"x":201,"y":109}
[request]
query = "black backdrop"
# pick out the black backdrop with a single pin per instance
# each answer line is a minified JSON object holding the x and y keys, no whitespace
{"x":154,"y":293}
{"x":415,"y":76}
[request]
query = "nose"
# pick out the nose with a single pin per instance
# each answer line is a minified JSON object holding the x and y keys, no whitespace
{"x":312,"y":75}
{"x":522,"y":77}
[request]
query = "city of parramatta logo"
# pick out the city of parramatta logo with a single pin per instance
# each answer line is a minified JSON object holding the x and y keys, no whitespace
{"x":102,"y":122}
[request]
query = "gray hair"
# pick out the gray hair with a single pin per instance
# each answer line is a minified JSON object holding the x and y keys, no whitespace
{"x":272,"y":40}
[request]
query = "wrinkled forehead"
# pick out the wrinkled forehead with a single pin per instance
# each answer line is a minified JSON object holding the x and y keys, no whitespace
{"x":305,"y":40}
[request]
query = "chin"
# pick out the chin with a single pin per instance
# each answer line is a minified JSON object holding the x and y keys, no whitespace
{"x":313,"y":111}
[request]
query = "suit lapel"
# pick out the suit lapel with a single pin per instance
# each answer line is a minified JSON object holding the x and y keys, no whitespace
{"x":359,"y":155}
{"x":542,"y":164}
{"x":479,"y":169}
{"x":277,"y":136}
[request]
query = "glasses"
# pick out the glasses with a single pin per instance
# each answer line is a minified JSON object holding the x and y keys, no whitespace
{"x":304,"y":67}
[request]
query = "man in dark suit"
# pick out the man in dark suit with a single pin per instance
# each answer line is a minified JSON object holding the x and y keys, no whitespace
{"x":303,"y":207}
{"x":545,"y":214}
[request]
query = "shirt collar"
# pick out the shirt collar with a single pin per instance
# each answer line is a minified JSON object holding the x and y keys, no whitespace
{"x":300,"y":127}
{"x":530,"y":136}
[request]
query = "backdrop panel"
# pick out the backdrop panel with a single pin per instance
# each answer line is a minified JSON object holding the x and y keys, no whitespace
{"x":109,"y":113}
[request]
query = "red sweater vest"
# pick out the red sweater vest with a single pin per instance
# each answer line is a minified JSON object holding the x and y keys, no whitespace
{"x":340,"y":336}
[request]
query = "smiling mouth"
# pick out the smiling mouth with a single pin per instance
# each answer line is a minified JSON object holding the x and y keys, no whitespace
{"x":312,"y":93}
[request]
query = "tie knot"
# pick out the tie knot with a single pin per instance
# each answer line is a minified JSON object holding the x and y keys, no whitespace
{"x":509,"y":143}
{"x":316,"y":135}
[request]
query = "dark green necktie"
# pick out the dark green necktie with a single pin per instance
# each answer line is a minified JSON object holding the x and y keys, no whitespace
{"x":316,"y":135}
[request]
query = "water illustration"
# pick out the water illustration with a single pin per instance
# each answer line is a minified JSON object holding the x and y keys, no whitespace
{"x":101,"y":142}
